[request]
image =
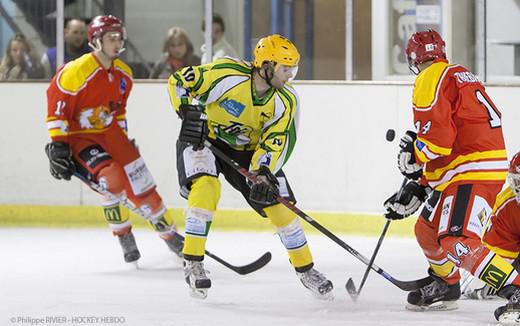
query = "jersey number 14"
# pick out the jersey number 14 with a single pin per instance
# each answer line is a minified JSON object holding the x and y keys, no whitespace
{"x":494,"y":117}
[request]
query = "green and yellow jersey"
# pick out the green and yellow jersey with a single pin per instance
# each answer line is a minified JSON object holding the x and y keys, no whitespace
{"x":236,"y":116}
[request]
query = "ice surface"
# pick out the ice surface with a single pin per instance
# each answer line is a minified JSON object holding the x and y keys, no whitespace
{"x":76,"y":273}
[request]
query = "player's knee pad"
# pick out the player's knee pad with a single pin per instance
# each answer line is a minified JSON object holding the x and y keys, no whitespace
{"x":280,"y":215}
{"x":205,"y":193}
{"x":112,"y":178}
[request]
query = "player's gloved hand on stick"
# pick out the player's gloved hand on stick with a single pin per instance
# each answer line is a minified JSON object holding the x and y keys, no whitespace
{"x":406,"y":157}
{"x":60,"y":158}
{"x":194,"y":128}
{"x":265,"y":187}
{"x":406,"y":201}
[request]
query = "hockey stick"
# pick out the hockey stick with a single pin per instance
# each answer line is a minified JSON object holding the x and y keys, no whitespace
{"x":242,"y":270}
{"x":403,"y":285}
{"x":350,"y":286}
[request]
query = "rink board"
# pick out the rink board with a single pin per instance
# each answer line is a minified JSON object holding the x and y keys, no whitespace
{"x":241,"y":220}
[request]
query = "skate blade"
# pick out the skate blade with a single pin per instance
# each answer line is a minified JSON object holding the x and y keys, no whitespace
{"x":479,"y":296}
{"x":437,"y":306}
{"x":199,"y":293}
{"x":509,"y":318}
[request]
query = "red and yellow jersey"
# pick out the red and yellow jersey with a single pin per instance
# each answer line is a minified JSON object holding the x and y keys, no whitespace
{"x":84,"y":97}
{"x":502,"y":232}
{"x":236,"y":115}
{"x":459,"y":129}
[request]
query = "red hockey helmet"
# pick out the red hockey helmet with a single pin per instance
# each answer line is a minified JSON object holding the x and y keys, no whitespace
{"x":424,"y":46}
{"x":514,"y":175}
{"x":102,"y":24}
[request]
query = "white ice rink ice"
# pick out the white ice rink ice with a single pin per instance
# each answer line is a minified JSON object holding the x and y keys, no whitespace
{"x":77,"y":273}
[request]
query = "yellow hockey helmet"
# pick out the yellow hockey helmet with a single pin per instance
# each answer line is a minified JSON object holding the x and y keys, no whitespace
{"x":276,"y":48}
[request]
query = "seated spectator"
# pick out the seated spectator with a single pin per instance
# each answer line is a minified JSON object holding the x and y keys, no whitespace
{"x":221,"y":47}
{"x":177,"y":53}
{"x":75,"y":37}
{"x":20,"y":62}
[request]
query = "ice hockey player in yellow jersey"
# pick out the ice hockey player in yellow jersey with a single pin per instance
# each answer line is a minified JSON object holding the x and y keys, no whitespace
{"x":250,"y":112}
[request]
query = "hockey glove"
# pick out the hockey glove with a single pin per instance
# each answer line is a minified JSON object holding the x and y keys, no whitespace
{"x":265,"y":188}
{"x":406,"y":157}
{"x":194,"y":129}
{"x":60,"y":158}
{"x":406,"y":201}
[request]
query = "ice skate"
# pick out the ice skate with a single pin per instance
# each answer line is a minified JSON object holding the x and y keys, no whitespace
{"x":130,"y":252}
{"x":319,"y":285}
{"x":438,"y":295}
{"x":473,"y":288}
{"x":509,"y":314}
{"x":479,"y":291}
{"x":196,"y":278}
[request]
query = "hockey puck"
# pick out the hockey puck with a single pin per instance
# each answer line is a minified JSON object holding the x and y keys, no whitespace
{"x":390,"y":134}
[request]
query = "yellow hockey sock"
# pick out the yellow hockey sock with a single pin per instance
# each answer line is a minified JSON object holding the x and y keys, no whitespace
{"x":291,"y":234}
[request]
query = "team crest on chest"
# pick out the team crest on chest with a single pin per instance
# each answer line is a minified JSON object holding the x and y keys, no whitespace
{"x":232,"y":107}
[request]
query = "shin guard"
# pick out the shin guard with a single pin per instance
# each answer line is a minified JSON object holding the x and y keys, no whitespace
{"x":198,"y":223}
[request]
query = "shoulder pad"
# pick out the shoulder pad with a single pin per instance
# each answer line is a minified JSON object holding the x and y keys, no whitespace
{"x":427,"y":83}
{"x":76,"y":73}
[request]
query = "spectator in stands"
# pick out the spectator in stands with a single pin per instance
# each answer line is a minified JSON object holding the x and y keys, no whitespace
{"x":75,"y":37}
{"x":177,"y":53}
{"x":221,"y":47}
{"x":20,"y":62}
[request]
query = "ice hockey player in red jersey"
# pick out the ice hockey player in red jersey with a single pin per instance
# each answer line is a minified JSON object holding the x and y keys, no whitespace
{"x":87,"y":125}
{"x":458,"y":157}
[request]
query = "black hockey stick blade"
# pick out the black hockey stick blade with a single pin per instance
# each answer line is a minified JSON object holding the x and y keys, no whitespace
{"x":351,"y":289}
{"x":403,"y":285}
{"x":244,"y":269}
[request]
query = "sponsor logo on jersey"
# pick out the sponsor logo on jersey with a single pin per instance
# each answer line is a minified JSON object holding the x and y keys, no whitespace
{"x":493,"y":276}
{"x":236,"y":134}
{"x":232,"y":107}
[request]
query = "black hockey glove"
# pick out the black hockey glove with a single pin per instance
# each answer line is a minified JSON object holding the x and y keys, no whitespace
{"x":265,"y":187}
{"x":406,"y":157}
{"x":406,"y":201}
{"x":60,"y":158}
{"x":194,"y":129}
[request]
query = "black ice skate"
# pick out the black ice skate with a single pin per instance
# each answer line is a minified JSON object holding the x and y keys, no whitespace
{"x":130,"y":252}
{"x":319,"y":285}
{"x":438,"y":295}
{"x":510,"y":313}
{"x":196,"y":278}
